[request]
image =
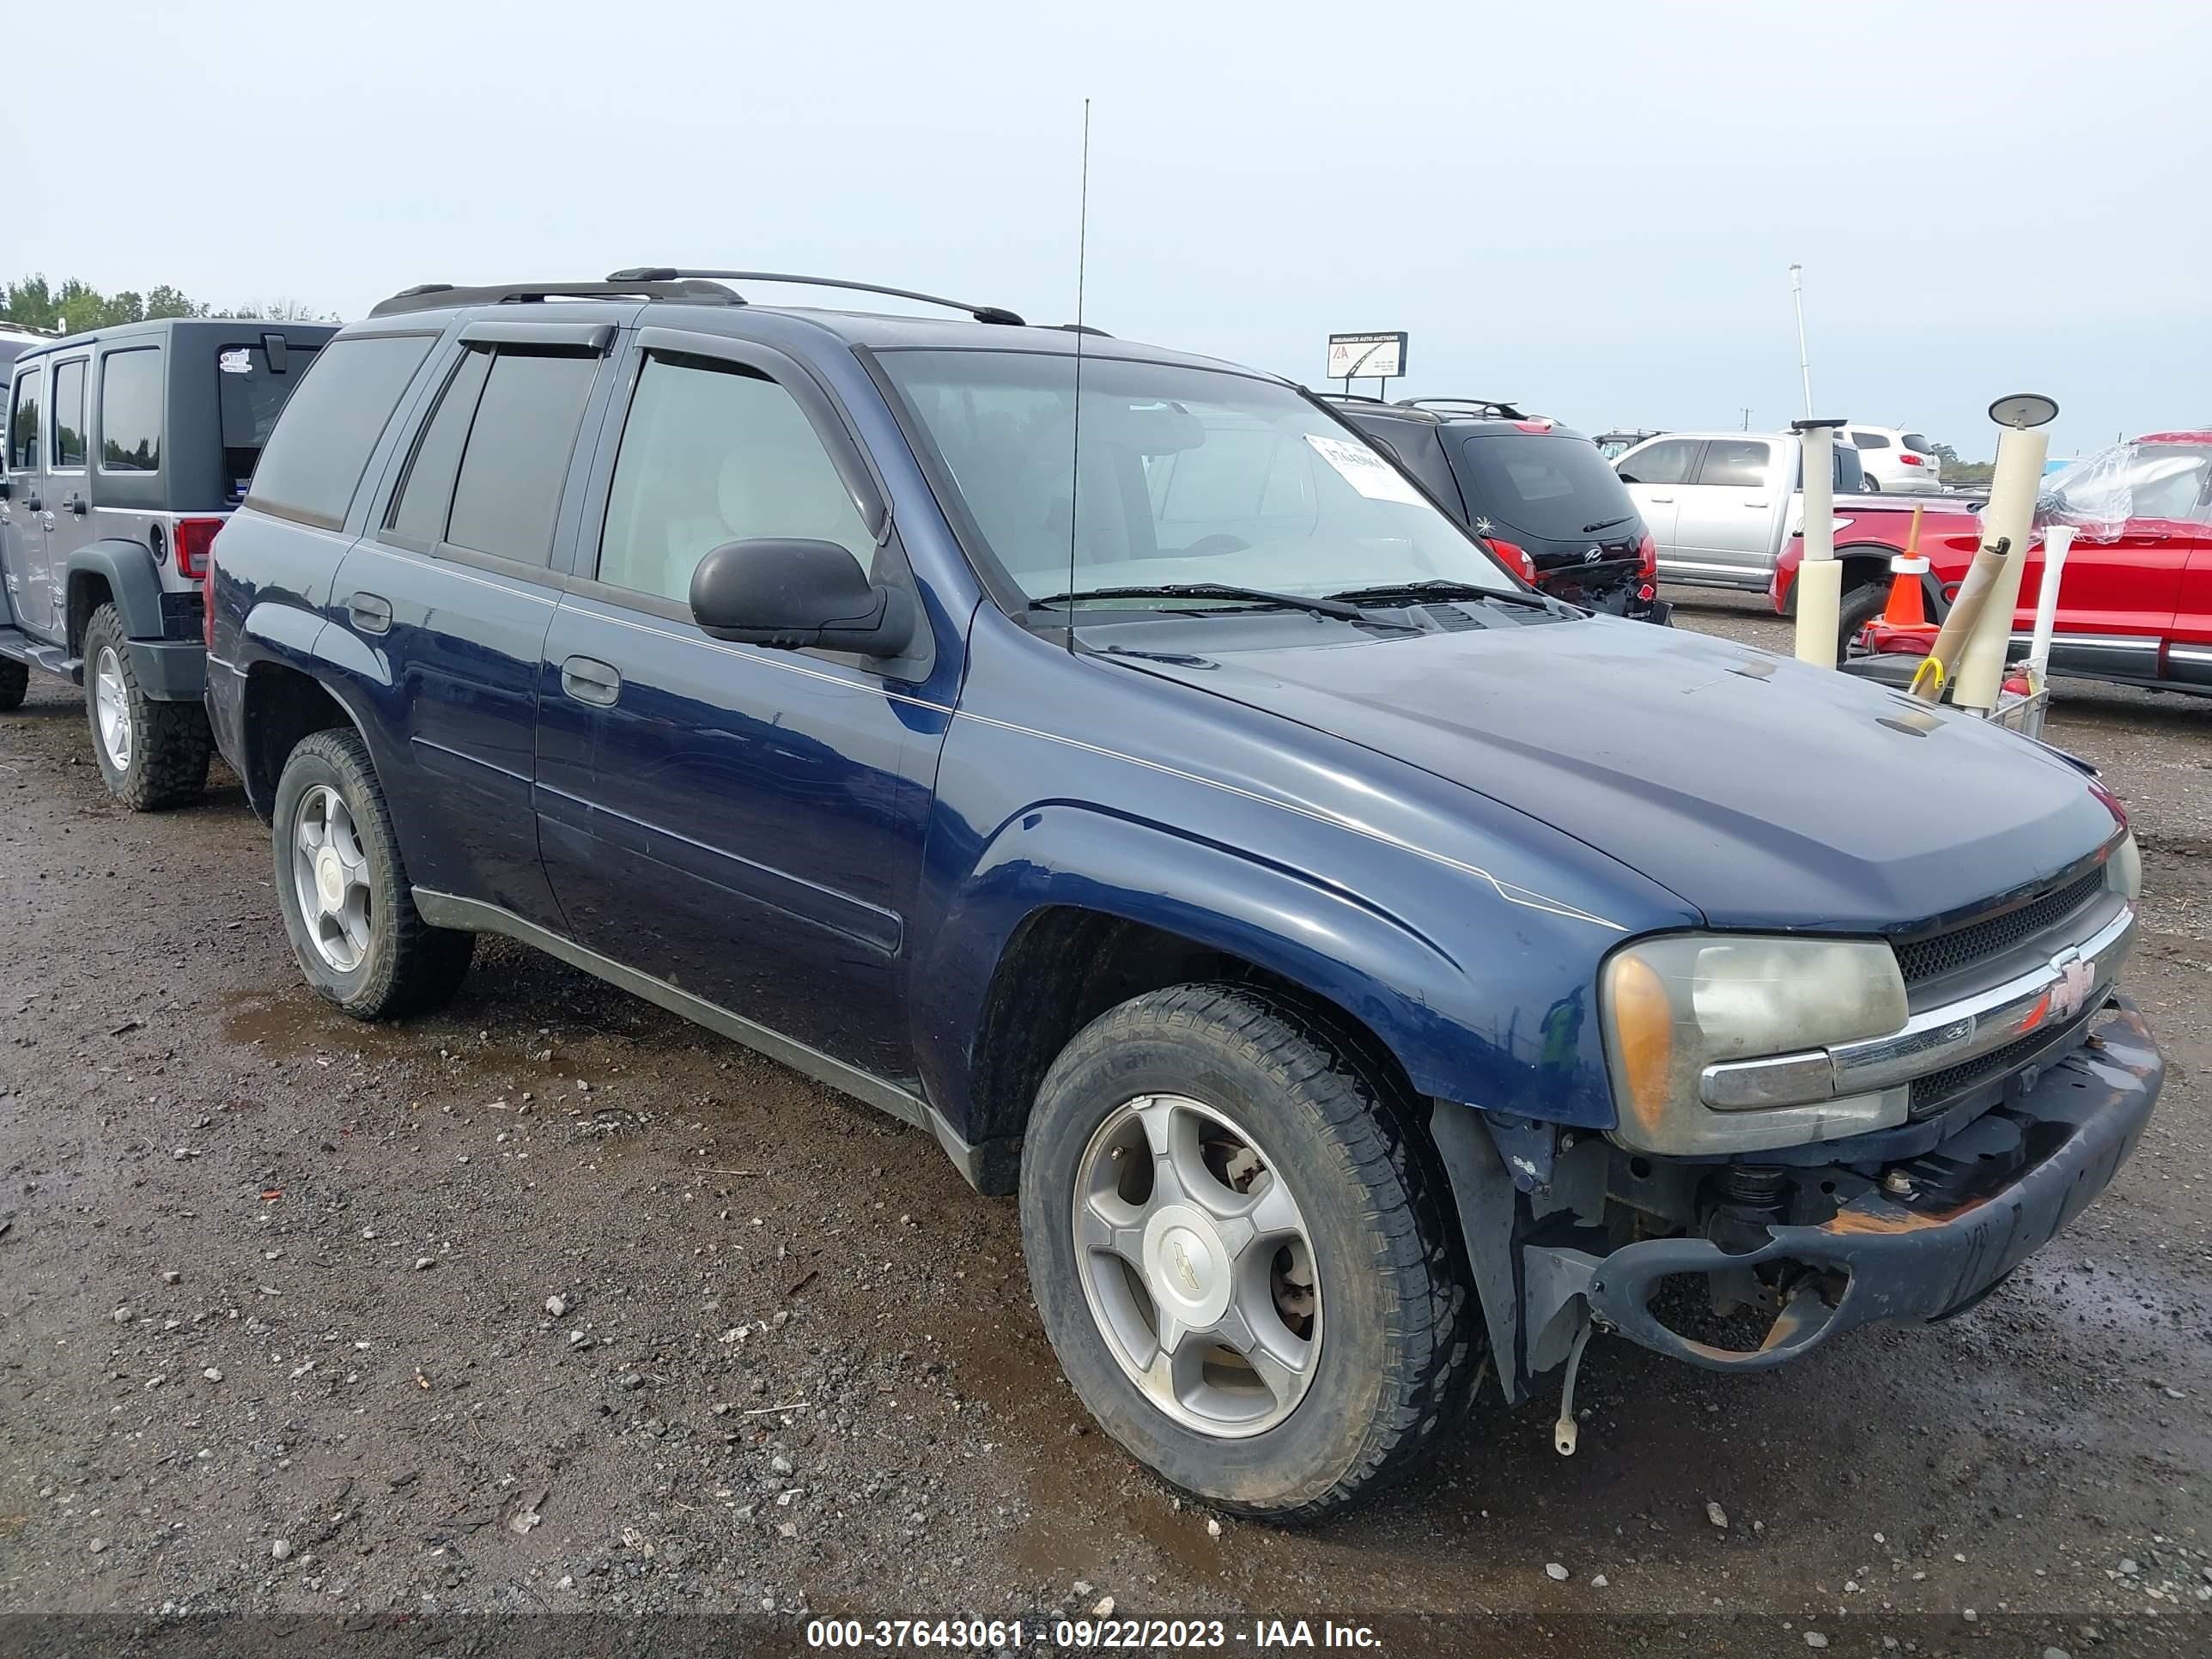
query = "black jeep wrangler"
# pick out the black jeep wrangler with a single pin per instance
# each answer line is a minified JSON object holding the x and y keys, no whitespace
{"x":126,"y":449}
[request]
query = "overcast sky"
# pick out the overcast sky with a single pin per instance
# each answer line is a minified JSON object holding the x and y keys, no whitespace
{"x":1590,"y":206}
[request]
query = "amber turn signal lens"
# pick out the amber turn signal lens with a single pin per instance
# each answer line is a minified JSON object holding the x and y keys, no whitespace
{"x":1643,"y":1029}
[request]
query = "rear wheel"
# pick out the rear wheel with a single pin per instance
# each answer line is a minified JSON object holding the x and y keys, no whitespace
{"x":152,"y":754}
{"x":15,"y":681}
{"x":1237,"y":1242}
{"x":343,"y":889}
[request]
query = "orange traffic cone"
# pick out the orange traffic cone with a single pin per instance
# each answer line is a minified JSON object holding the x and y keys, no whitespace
{"x":1907,"y":610}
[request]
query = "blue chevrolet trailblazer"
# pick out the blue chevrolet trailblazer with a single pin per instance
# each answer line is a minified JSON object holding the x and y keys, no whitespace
{"x":1361,"y":965}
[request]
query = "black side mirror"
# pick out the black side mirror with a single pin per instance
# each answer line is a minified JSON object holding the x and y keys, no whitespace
{"x":7,"y":488}
{"x":793,"y":594}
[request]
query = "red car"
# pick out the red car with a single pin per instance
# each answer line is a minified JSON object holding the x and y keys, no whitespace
{"x":2135,"y":608}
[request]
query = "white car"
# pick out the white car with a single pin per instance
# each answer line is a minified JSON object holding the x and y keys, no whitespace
{"x":1895,"y":459}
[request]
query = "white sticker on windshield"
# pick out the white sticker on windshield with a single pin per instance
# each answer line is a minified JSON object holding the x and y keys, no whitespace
{"x":1365,"y":470}
{"x":238,"y":362}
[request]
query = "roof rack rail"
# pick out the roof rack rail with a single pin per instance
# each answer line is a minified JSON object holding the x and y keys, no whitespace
{"x":670,"y":273}
{"x":435,"y":296}
{"x":1498,"y":406}
{"x":1357,"y":397}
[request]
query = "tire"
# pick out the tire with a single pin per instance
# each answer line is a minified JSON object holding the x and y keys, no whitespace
{"x":394,"y":962}
{"x":1869,"y":485}
{"x":1860,"y":606}
{"x":152,"y":754}
{"x":15,"y":681}
{"x":1393,"y":1329}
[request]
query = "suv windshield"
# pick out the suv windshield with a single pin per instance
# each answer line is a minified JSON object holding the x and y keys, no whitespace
{"x":1546,"y":486}
{"x":251,"y":399}
{"x":1188,"y":475}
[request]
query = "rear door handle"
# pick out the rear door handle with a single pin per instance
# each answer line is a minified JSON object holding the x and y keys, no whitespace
{"x":78,"y":505}
{"x":1661,"y":501}
{"x":1760,"y":504}
{"x":589,"y":680}
{"x":371,"y":612}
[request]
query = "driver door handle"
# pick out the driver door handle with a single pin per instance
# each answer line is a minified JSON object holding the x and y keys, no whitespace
{"x":78,"y":505}
{"x":589,"y":680}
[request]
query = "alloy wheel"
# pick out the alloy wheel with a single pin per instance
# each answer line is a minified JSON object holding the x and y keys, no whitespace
{"x":111,"y":704}
{"x":330,"y":875}
{"x":1198,"y":1266}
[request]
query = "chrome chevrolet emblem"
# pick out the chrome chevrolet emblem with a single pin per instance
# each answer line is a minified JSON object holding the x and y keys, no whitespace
{"x":2077,"y":977}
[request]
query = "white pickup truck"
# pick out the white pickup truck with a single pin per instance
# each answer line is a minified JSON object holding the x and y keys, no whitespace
{"x":1722,"y":506}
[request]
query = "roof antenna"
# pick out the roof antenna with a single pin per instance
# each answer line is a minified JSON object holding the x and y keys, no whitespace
{"x":1075,"y":435}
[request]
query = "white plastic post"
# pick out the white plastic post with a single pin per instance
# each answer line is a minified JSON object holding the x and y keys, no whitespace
{"x":1820,"y":578}
{"x":2011,"y":515}
{"x":2057,"y":541}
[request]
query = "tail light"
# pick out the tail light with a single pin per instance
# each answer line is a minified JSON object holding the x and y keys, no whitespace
{"x":1909,"y":459}
{"x":194,"y":536}
{"x":1647,"y":558}
{"x":1515,"y":558}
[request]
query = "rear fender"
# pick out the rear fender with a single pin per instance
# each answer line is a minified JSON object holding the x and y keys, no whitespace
{"x":127,"y":569}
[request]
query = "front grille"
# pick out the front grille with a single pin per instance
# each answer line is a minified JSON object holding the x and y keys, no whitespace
{"x":1931,"y":1093}
{"x":1962,"y":947}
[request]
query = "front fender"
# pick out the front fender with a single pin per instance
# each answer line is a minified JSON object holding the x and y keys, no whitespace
{"x":1498,"y":1015}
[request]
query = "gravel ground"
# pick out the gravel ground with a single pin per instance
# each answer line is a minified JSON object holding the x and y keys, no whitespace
{"x":556,"y":1303}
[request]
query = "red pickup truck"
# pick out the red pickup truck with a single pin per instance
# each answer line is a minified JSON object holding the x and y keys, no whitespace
{"x":2134,"y":604}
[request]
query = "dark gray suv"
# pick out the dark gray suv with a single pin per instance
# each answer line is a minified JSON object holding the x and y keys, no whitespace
{"x":126,"y":449}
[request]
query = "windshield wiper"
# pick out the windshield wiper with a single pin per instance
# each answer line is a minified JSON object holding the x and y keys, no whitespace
{"x":1602,"y":523}
{"x":1416,"y":593}
{"x":1329,"y":607}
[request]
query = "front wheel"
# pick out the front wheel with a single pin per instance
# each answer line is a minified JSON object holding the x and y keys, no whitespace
{"x":343,"y":889}
{"x":152,"y":754}
{"x":1237,"y":1242}
{"x":1860,"y":606}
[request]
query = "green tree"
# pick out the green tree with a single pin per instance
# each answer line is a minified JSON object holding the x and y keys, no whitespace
{"x":76,"y":306}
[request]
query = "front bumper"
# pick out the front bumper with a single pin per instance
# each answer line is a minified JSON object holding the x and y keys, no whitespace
{"x":2079,"y":1120}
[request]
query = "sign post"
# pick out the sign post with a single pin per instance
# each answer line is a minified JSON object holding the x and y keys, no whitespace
{"x":1366,"y":356}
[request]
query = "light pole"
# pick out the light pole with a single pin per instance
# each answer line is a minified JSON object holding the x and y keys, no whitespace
{"x":1804,"y":362}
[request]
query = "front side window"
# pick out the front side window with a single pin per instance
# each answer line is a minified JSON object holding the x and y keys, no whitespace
{"x":713,"y":453}
{"x":1186,"y":475}
{"x":1735,"y":463}
{"x":130,"y":411}
{"x":1667,"y":462}
{"x":314,"y":460}
{"x":24,"y":421}
{"x":69,"y":414}
{"x":506,"y":496}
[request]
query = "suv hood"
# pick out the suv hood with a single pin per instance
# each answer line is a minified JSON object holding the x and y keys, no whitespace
{"x":1763,"y":792}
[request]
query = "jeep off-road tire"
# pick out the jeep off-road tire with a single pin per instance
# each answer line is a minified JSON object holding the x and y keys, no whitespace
{"x":152,"y":754}
{"x":15,"y":681}
{"x":1394,"y":1331}
{"x":342,"y":888}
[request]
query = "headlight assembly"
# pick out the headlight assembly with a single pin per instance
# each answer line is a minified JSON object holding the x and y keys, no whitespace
{"x":1684,"y":1014}
{"x":2124,"y":870}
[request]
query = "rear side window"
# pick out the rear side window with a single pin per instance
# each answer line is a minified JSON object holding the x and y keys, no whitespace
{"x":69,"y":414}
{"x":420,"y":512}
{"x":1737,"y":463}
{"x":1918,"y":445}
{"x":130,"y":411}
{"x":252,"y":395}
{"x":711,"y":455}
{"x":314,"y":460}
{"x":507,"y":494}
{"x":24,"y":421}
{"x":1874,"y":441}
{"x":1665,"y":463}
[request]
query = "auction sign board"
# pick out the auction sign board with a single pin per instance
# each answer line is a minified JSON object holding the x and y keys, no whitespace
{"x":1366,"y":356}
